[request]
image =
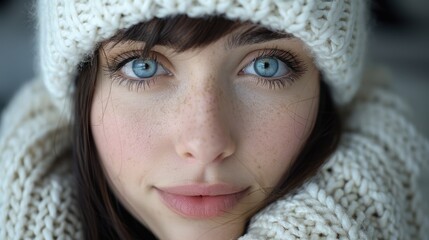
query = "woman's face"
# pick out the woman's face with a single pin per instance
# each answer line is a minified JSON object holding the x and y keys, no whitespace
{"x":192,"y":143}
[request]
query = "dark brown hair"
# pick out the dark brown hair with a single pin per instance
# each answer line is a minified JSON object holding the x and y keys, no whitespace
{"x":103,"y":216}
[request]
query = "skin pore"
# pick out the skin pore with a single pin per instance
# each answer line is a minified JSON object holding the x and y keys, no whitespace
{"x":206,"y":118}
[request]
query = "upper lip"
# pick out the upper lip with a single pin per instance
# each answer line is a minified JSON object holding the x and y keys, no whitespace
{"x":203,"y":189}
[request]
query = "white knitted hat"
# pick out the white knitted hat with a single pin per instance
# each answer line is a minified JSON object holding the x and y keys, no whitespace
{"x":333,"y":30}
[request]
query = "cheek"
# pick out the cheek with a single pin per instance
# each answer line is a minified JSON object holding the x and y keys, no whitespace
{"x":121,"y":138}
{"x":278,"y":137}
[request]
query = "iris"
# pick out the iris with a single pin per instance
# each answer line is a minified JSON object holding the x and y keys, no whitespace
{"x":144,"y":68}
{"x":266,"y":67}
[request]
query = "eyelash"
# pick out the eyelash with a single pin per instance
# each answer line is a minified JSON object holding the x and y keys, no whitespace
{"x":116,"y":63}
{"x":292,"y":61}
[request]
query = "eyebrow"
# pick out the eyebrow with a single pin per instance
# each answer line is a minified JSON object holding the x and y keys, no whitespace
{"x":254,"y":35}
{"x":251,"y":35}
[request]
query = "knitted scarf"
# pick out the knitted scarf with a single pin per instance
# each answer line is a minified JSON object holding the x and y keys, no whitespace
{"x":366,"y":190}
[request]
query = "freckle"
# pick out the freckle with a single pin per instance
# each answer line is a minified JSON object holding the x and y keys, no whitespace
{"x":210,"y":80}
{"x":274,"y":161}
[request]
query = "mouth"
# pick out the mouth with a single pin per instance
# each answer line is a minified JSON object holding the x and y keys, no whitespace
{"x":201,"y":201}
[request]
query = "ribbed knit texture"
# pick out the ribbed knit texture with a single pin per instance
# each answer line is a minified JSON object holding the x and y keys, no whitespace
{"x":37,"y":198}
{"x":367,"y":190}
{"x":334,"y":32}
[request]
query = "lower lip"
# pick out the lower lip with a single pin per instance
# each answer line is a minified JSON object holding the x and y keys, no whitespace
{"x":201,"y":206}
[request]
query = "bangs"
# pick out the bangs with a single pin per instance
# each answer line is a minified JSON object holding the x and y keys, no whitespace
{"x":178,"y":32}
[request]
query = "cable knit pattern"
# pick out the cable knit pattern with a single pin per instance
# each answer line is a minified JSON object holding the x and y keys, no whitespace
{"x":367,"y":189}
{"x":333,"y":30}
{"x":37,"y":198}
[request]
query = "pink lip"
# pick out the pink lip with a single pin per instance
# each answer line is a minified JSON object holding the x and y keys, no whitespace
{"x":201,"y":200}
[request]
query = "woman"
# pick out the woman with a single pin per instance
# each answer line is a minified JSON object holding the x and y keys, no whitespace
{"x":207,"y":120}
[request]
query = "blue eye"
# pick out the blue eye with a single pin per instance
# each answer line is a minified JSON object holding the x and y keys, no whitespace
{"x":143,"y":68}
{"x":267,"y":67}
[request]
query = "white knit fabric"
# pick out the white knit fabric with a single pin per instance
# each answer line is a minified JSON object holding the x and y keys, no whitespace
{"x":333,"y":30}
{"x":367,"y":190}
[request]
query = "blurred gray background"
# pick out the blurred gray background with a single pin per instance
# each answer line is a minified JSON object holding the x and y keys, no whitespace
{"x":17,"y":48}
{"x":399,"y":41}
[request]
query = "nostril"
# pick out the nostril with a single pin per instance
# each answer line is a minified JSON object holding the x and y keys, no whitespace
{"x":210,"y":145}
{"x":220,"y":156}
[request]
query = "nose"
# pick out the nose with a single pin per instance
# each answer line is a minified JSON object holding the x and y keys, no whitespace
{"x":204,"y":131}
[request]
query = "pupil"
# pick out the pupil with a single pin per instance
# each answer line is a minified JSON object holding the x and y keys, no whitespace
{"x":266,"y":64}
